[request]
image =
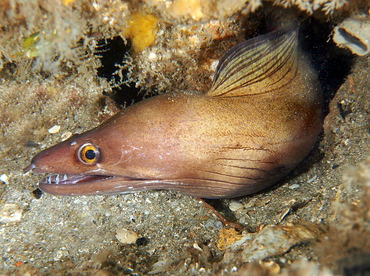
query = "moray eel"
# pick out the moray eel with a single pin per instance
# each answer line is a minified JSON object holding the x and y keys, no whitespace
{"x":261,"y":117}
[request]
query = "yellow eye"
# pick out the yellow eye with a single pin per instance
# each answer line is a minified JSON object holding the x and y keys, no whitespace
{"x":88,"y":154}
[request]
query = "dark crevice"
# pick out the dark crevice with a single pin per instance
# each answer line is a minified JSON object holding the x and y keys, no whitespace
{"x":332,"y":64}
{"x":114,"y":53}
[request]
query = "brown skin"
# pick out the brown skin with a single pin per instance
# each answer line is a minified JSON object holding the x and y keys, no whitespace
{"x":210,"y":147}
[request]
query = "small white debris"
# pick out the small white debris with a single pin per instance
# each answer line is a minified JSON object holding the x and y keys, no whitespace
{"x":196,"y":246}
{"x":235,"y":206}
{"x":66,"y":135}
{"x":275,"y":240}
{"x":10,"y":212}
{"x":4,"y":178}
{"x":152,"y":56}
{"x":160,"y":266}
{"x":60,"y":254}
{"x":54,"y":129}
{"x":126,"y":236}
{"x":202,"y":270}
{"x":294,"y":186}
{"x":284,"y":214}
{"x":312,"y":179}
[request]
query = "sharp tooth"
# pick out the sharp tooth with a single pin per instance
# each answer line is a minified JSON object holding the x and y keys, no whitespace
{"x":65,"y":177}
{"x":57,"y":179}
{"x":49,"y":180}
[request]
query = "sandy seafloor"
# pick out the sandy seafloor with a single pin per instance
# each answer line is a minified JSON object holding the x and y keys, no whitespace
{"x":54,"y":235}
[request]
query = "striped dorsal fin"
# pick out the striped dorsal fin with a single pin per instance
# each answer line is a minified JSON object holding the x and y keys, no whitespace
{"x":258,"y":65}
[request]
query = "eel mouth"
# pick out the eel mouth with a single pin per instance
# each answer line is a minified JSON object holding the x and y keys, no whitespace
{"x":90,"y":184}
{"x":67,"y":179}
{"x":67,"y":184}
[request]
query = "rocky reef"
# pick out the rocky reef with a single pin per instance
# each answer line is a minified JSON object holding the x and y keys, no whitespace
{"x":68,"y":65}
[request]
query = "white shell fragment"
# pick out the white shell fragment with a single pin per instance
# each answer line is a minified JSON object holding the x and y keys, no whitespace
{"x":294,"y":186}
{"x":126,"y":236}
{"x":4,"y":178}
{"x":354,"y":34}
{"x":161,"y":266}
{"x":10,"y":212}
{"x":66,"y":135}
{"x":197,"y":247}
{"x":273,"y":240}
{"x":54,"y":129}
{"x":235,"y":206}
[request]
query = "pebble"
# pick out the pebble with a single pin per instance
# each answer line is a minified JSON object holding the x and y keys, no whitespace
{"x":197,"y":247}
{"x":54,"y":129}
{"x":234,"y":206}
{"x":66,"y":135}
{"x":126,"y":236}
{"x":312,"y":179}
{"x":10,"y":212}
{"x":4,"y":178}
{"x":294,"y":186}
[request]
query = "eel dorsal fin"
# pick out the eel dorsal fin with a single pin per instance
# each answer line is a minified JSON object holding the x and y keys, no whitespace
{"x":259,"y":65}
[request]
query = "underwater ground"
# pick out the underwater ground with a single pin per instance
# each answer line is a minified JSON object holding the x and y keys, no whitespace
{"x":67,"y":66}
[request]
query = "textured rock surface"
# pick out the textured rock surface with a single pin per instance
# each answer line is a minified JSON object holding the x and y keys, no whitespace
{"x":54,"y":235}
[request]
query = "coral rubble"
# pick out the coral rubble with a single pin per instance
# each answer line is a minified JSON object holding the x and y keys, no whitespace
{"x":51,"y":56}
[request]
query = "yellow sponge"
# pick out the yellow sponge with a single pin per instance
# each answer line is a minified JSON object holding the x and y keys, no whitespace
{"x":141,"y":30}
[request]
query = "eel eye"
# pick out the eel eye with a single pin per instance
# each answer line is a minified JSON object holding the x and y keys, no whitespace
{"x":88,"y":154}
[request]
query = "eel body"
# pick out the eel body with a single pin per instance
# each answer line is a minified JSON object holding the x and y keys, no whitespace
{"x":260,"y":118}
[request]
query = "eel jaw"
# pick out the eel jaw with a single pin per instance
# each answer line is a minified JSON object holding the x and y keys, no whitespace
{"x":64,"y":184}
{"x":84,"y":184}
{"x":67,"y":179}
